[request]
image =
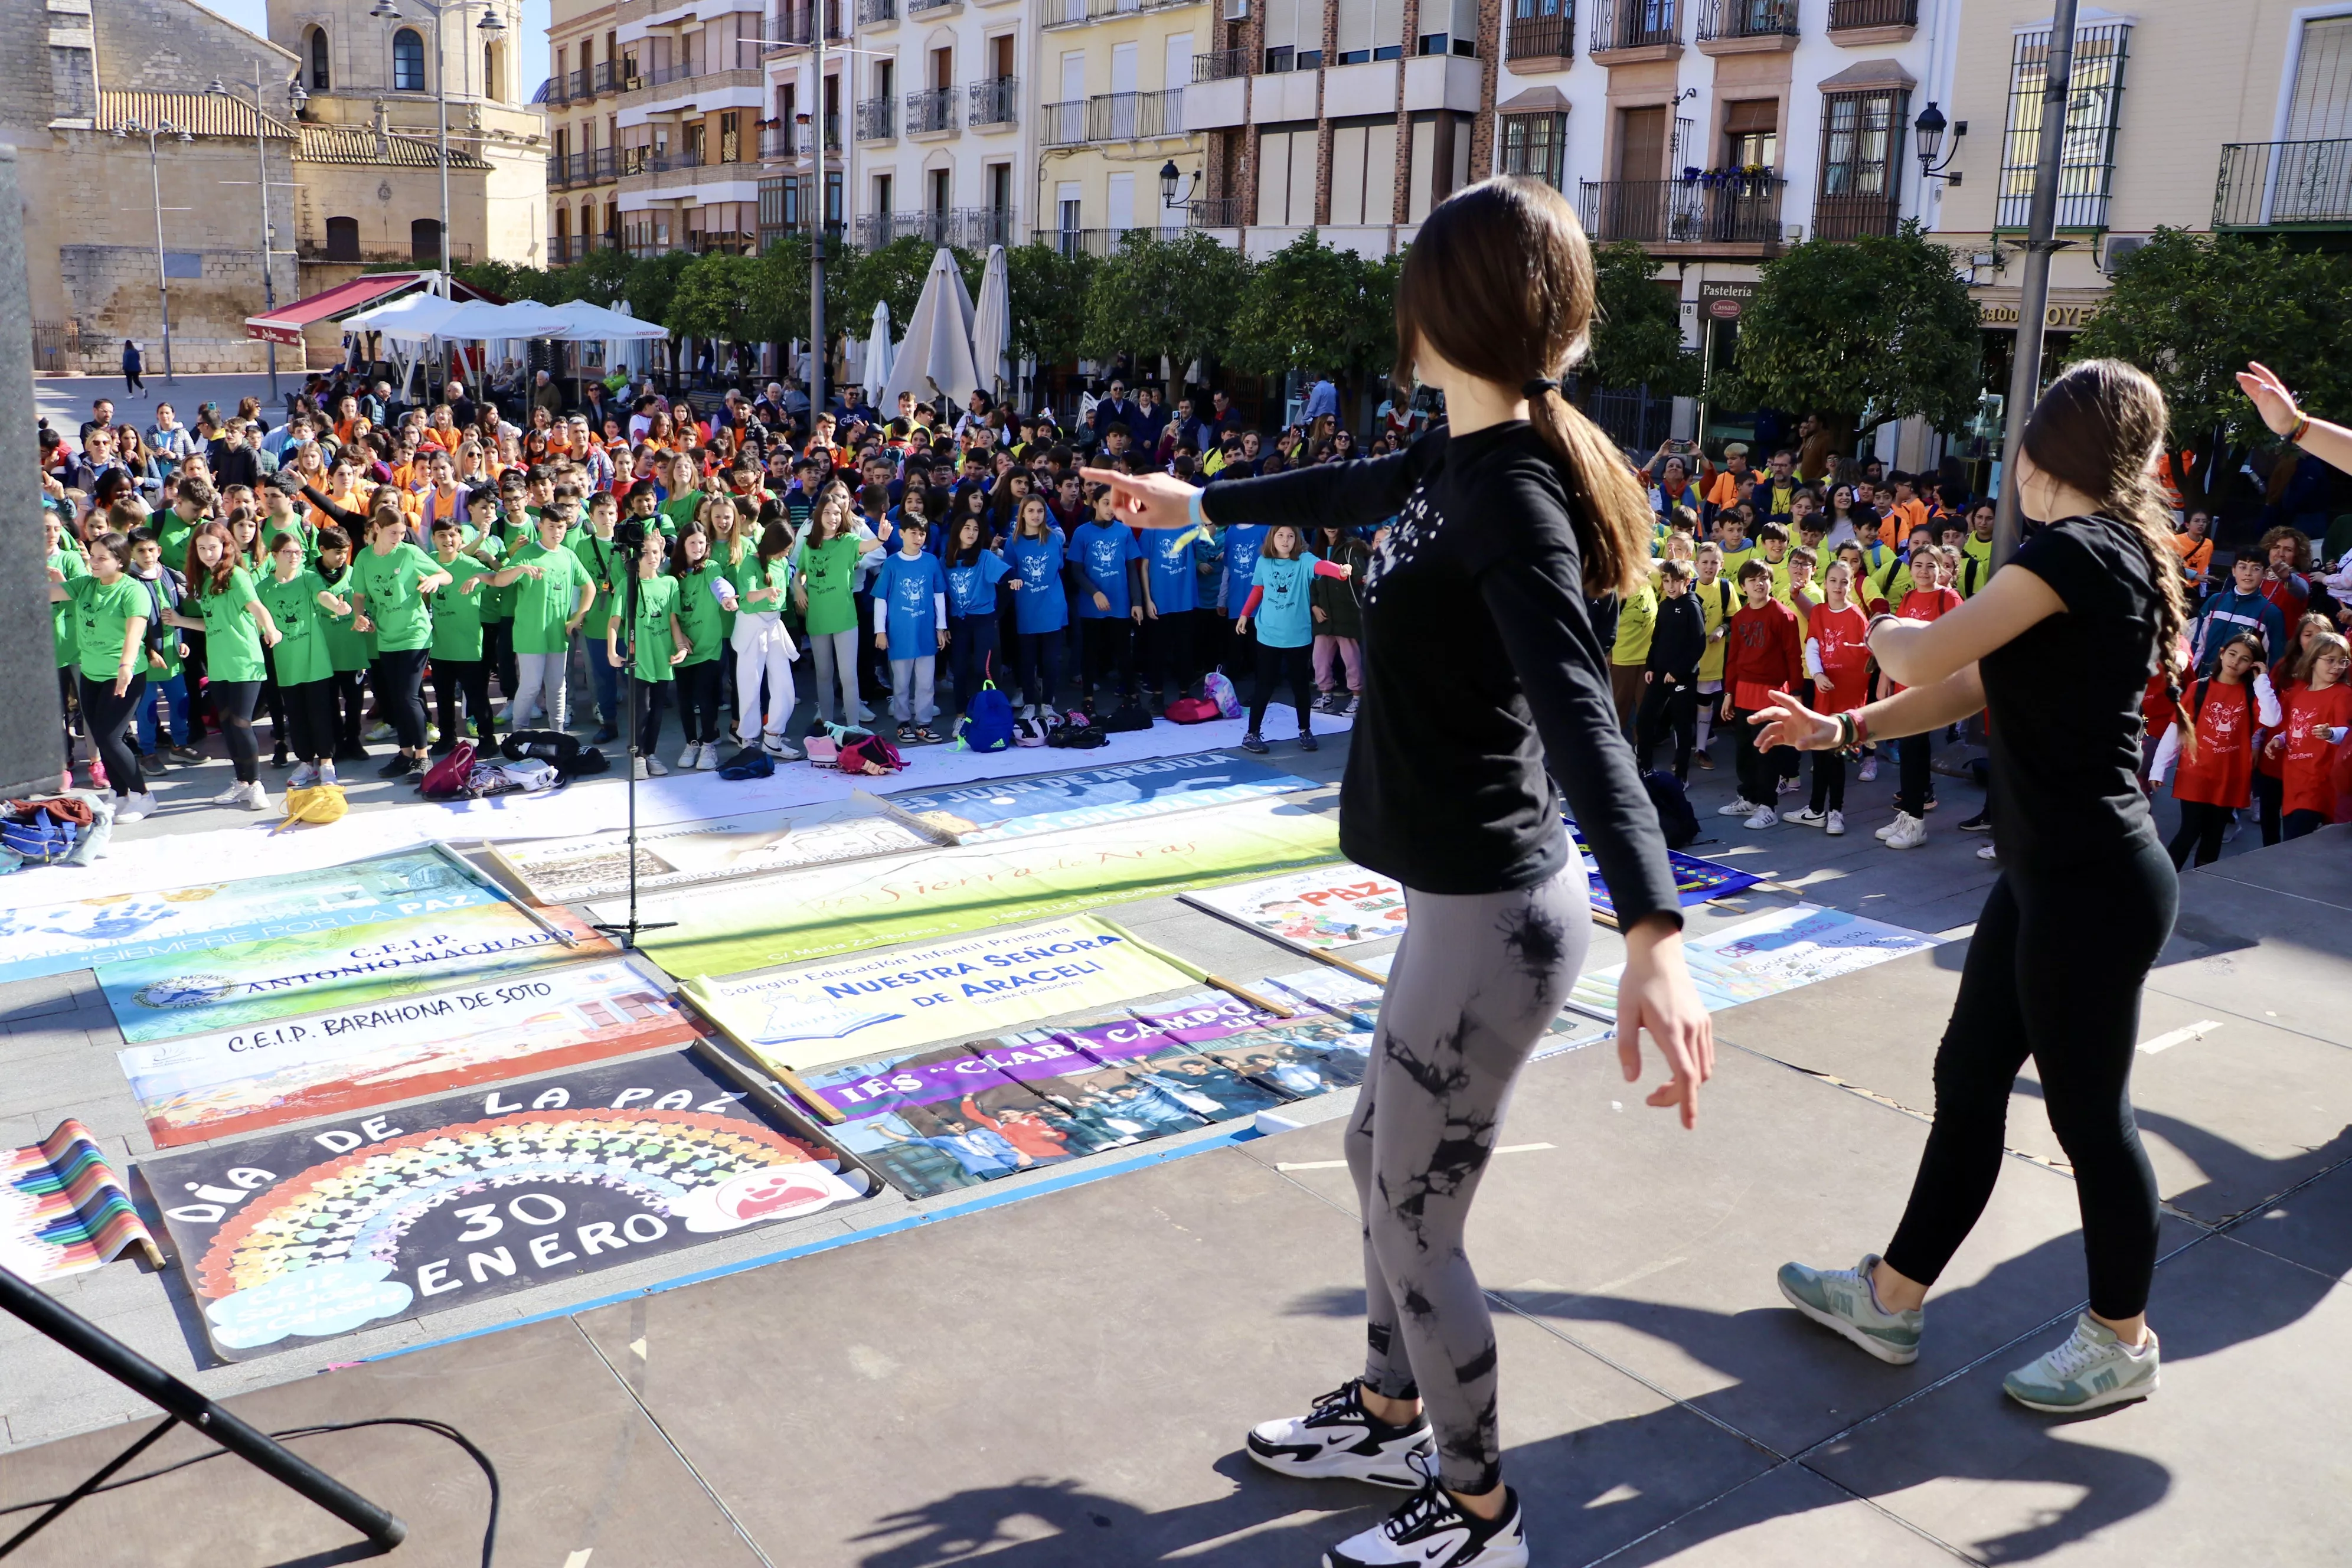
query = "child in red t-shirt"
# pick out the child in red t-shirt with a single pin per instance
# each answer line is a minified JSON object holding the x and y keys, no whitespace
{"x":1837,"y":654}
{"x":1762,"y":654}
{"x":2216,"y":770}
{"x":1931,"y":597}
{"x":2310,"y":741}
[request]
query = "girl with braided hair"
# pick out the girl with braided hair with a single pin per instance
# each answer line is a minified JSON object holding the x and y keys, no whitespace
{"x":2086,"y":895}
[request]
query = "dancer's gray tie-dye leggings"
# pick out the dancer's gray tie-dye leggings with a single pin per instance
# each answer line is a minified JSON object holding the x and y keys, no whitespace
{"x":1475,"y":981}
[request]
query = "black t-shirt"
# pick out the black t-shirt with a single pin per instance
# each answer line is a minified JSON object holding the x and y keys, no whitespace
{"x":1481,"y":665}
{"x":2064,"y":700}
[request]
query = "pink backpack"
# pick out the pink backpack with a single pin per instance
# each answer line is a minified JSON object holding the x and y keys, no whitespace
{"x":869,"y":755}
{"x":1192,"y":711}
{"x":451,"y":778}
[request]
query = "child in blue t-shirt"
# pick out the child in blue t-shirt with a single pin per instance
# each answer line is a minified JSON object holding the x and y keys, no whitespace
{"x":973,"y":572}
{"x":1106,"y":569}
{"x":1280,"y":597}
{"x":1172,"y":601}
{"x":1034,"y":554}
{"x":910,"y":623}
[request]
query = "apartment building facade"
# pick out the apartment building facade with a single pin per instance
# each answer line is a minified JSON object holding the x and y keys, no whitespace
{"x":1114,"y":152}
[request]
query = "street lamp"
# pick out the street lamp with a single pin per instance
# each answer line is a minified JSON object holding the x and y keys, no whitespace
{"x":1169,"y":176}
{"x":295,"y":99}
{"x":125,"y":131}
{"x":492,"y":25}
{"x":1929,"y":128}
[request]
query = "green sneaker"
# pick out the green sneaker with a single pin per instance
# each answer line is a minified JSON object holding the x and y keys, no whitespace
{"x":2091,"y":1370}
{"x":1842,"y":1298}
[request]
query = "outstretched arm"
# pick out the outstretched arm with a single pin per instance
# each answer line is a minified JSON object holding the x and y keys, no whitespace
{"x":1351,"y":494}
{"x":2331,"y":444}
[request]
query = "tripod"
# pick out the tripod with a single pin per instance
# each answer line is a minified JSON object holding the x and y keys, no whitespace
{"x":631,"y":537}
{"x":180,"y":1403}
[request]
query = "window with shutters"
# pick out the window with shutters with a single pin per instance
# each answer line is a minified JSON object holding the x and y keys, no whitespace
{"x":1536,"y":145}
{"x":2086,"y":164}
{"x":1459,"y":20}
{"x":1355,"y":31}
{"x":1862,"y":162}
{"x":1363,"y":172}
{"x":1752,"y":133}
{"x":1281,"y":37}
{"x":1285,"y":177}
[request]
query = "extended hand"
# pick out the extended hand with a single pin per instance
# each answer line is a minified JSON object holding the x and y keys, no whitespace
{"x":1655,"y":993}
{"x":2270,"y":396}
{"x":1789,"y":722}
{"x":1147,"y":500}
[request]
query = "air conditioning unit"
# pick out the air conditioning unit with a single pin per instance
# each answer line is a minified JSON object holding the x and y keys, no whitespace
{"x":2119,"y":250}
{"x":1236,"y":10}
{"x":634,"y":84}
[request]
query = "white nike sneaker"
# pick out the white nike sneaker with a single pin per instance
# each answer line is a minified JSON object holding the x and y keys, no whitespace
{"x":691,"y":756}
{"x":1433,"y":1531}
{"x":656,"y":767}
{"x":1741,"y":807}
{"x":1806,"y":816}
{"x":1986,"y":852}
{"x":132,"y":807}
{"x":2091,"y":1370}
{"x":233,"y":796}
{"x":710,"y":761}
{"x":1765,"y":817}
{"x":1836,"y":829}
{"x":1883,"y":830}
{"x":1340,"y":1439}
{"x":1910,"y":831}
{"x":1869,"y":773}
{"x":257,"y":799}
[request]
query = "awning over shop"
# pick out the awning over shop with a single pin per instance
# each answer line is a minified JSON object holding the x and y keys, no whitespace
{"x":285,"y":324}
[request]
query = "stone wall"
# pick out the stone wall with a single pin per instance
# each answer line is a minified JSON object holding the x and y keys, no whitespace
{"x":111,"y":293}
{"x":170,"y":45}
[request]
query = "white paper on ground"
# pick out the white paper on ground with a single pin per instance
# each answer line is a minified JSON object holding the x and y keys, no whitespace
{"x":591,"y":805}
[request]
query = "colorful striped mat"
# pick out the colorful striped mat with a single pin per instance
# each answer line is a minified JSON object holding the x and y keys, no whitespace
{"x":63,"y":1208}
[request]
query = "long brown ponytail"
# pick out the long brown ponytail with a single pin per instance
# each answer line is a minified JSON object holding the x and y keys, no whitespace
{"x":1499,"y":283}
{"x":2099,"y":429}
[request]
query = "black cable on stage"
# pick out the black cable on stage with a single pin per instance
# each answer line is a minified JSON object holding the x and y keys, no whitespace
{"x":440,"y":1429}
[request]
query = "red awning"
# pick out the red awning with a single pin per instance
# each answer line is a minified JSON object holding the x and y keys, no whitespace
{"x":285,"y":325}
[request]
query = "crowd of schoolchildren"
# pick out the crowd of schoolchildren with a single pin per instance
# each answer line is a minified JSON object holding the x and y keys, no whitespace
{"x":1767,"y":581}
{"x":368,"y":572}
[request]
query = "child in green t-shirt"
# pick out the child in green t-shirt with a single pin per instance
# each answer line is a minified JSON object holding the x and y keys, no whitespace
{"x":347,"y":646}
{"x":166,"y":678}
{"x":301,"y":604}
{"x":458,"y":644}
{"x":657,"y":643}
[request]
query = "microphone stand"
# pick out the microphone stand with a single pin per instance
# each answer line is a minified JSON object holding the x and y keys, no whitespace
{"x":633,"y":543}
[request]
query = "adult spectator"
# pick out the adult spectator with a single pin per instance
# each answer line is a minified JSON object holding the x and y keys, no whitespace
{"x":1322,"y":398}
{"x":1730,"y":486}
{"x":545,"y":394}
{"x":1151,"y":421}
{"x":1774,"y":496}
{"x":1114,"y":409}
{"x":237,"y":463}
{"x":101,"y":415}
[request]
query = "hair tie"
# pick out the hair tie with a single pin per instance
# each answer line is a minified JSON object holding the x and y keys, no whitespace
{"x":1537,"y":387}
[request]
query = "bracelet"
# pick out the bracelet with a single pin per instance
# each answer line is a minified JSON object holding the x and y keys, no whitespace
{"x":1845,"y":731}
{"x":1861,"y":728}
{"x":2302,"y":424}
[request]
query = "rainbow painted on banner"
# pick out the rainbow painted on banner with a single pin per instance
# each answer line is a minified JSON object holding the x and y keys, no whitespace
{"x":63,"y":1209}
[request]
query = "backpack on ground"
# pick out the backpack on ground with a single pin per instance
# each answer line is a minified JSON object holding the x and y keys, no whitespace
{"x":1218,"y":689}
{"x":1077,"y":733}
{"x":1028,"y":732}
{"x":1192,"y":711}
{"x":318,"y":804}
{"x":1130,"y":715}
{"x":34,"y":837}
{"x":870,"y":754}
{"x":1676,"y":817}
{"x":752,"y":762}
{"x":988,"y":722}
{"x":452,"y":778}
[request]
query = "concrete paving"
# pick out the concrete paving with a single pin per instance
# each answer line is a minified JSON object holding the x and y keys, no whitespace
{"x":1064,"y":1379}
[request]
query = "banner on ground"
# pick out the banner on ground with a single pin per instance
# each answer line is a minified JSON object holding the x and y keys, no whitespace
{"x":718,"y":850}
{"x":1333,"y":907}
{"x":864,"y":1006}
{"x":1769,"y":954}
{"x":842,"y":909}
{"x":243,"y":983}
{"x":298,"y":1236}
{"x":960,"y":1115}
{"x":328,"y":1064}
{"x":50,"y":938}
{"x":998,"y":810}
{"x":63,"y":1209}
{"x":1696,"y":879}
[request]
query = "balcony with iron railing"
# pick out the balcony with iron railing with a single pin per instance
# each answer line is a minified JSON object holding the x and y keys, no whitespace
{"x":377,"y":254}
{"x":967,"y":228}
{"x":2284,"y":185}
{"x":931,"y":113}
{"x":1848,"y":214}
{"x":1074,"y":13}
{"x":794,"y":25}
{"x":994,"y":103}
{"x":593,"y":167}
{"x":1548,"y":38}
{"x":778,"y":142}
{"x":565,"y":248}
{"x":1215,"y":212}
{"x":1625,"y":32}
{"x":1097,"y":241}
{"x":878,"y":119}
{"x":926,"y":8}
{"x":1222,"y":65}
{"x":1742,"y":210}
{"x":1857,"y":23}
{"x":1744,"y":27}
{"x":876,"y":13}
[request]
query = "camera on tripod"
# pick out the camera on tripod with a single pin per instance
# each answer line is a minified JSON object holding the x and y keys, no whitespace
{"x":629,"y":533}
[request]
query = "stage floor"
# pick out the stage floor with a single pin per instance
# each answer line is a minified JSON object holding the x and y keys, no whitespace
{"x":1064,"y":1380}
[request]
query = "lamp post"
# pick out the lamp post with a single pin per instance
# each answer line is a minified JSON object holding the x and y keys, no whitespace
{"x":295,"y":99}
{"x":125,"y":131}
{"x":492,"y":25}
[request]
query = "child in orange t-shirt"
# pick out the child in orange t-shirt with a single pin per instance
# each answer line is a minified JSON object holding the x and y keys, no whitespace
{"x":1837,"y":654}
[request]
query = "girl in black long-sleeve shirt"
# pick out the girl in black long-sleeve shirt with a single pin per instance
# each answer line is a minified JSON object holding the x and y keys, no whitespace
{"x":1484,"y":681}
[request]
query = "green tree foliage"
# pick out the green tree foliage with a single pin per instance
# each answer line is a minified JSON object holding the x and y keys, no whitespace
{"x":713,"y":298}
{"x":652,"y":285}
{"x":1303,"y":308}
{"x":1048,"y":288}
{"x":1880,"y":327}
{"x":1637,"y":333}
{"x":2192,"y":308}
{"x":1155,"y":297}
{"x":893,"y":272}
{"x":600,"y":277}
{"x":511,"y":280}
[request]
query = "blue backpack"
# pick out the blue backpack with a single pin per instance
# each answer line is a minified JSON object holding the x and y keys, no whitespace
{"x":988,"y":722}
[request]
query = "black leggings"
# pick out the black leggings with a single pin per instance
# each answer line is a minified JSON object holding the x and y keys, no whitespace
{"x":233,"y":703}
{"x":400,"y":694}
{"x":1667,"y":708}
{"x":1829,"y":781}
{"x":1170,"y":634}
{"x":1107,"y":642}
{"x":1914,"y":788}
{"x":471,"y":677}
{"x":652,"y":697}
{"x":1041,"y":666}
{"x":2201,"y":826}
{"x":2053,"y":972}
{"x":699,"y":690}
{"x":108,"y":717}
{"x":350,"y":703}
{"x":1295,"y":664}
{"x":2270,"y":793}
{"x":311,"y":719}
{"x":2299,"y":823}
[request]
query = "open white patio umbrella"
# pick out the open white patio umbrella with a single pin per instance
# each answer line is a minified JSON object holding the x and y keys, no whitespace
{"x":584,"y":322}
{"x":934,"y":361}
{"x":880,"y":352}
{"x":991,"y":327}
